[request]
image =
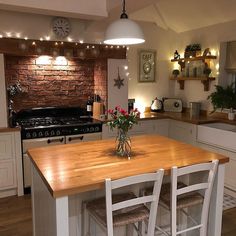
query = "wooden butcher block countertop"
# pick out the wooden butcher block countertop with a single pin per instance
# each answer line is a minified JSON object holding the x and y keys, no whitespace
{"x":74,"y":168}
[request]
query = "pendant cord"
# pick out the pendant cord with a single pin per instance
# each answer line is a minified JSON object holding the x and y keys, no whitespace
{"x":123,"y":8}
{"x":123,"y":14}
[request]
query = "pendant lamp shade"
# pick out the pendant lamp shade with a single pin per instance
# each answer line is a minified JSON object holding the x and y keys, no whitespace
{"x":124,"y":31}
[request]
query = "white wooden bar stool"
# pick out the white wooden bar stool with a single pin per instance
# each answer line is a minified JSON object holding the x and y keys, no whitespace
{"x":178,"y":196}
{"x":207,"y":186}
{"x":126,"y":208}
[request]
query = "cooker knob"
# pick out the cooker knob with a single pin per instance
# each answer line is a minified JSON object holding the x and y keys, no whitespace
{"x":28,"y":135}
{"x":58,"y":132}
{"x":34,"y":134}
{"x":52,"y":133}
{"x":40,"y":134}
{"x":91,"y":130}
{"x":46,"y":133}
{"x":96,"y":129}
{"x":87,"y":130}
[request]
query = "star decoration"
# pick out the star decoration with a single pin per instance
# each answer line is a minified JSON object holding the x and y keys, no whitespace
{"x":118,"y":82}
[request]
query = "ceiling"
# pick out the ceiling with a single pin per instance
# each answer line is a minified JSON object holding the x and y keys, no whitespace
{"x":177,"y":15}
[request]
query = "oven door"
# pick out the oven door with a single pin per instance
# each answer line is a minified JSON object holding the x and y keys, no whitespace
{"x":83,"y":137}
{"x":34,"y":143}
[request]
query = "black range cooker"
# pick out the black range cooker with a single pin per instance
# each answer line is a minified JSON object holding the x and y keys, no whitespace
{"x":42,"y":127}
{"x":55,"y":121}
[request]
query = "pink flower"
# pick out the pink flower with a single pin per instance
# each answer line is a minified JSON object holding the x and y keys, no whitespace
{"x":122,"y":111}
{"x":110,"y":111}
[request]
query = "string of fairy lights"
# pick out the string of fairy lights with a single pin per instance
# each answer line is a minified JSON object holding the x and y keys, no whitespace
{"x":59,"y":42}
{"x":61,"y":47}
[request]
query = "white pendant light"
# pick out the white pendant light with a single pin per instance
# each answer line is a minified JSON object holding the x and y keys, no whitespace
{"x":124,"y":31}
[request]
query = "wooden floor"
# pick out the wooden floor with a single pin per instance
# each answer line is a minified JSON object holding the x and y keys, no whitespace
{"x":16,"y":220}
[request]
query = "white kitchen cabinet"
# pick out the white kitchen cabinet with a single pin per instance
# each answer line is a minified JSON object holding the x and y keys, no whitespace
{"x":222,"y":141}
{"x":183,"y":131}
{"x":3,"y":97}
{"x":143,"y":127}
{"x":7,"y":174}
{"x":6,"y":146}
{"x":161,"y":127}
{"x":230,"y":168}
{"x":11,"y":179}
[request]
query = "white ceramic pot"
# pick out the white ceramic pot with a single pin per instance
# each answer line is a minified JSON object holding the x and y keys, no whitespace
{"x":231,"y":115}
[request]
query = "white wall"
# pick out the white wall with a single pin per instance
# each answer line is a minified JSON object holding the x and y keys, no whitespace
{"x":73,"y":8}
{"x":35,"y":26}
{"x":163,"y":42}
{"x":117,"y":96}
{"x":3,"y":104}
{"x":209,"y":37}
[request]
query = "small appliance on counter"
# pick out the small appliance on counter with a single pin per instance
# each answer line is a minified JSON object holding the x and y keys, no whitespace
{"x":195,"y":108}
{"x":172,"y":104}
{"x":156,"y":105}
{"x":131,"y":104}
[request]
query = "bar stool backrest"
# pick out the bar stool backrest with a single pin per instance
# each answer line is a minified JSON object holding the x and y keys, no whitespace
{"x":207,"y":186}
{"x":153,"y":199}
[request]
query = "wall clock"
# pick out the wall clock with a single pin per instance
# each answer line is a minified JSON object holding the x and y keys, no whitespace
{"x":61,"y":27}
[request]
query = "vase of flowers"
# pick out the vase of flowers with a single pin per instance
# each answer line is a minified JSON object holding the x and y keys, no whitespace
{"x":123,"y":121}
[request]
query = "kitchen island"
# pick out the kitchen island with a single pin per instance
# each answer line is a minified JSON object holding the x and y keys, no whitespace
{"x":65,"y":175}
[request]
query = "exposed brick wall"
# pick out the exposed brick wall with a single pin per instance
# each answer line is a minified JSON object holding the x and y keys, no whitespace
{"x":51,"y":84}
{"x":100,"y":80}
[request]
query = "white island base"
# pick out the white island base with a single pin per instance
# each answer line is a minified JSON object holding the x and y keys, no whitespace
{"x":63,"y":216}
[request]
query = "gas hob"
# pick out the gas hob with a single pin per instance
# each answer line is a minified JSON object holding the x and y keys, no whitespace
{"x":53,"y":121}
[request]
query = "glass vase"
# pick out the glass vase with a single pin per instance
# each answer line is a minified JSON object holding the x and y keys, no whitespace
{"x":123,"y":144}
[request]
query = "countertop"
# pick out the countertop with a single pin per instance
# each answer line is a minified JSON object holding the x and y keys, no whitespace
{"x":74,"y":168}
{"x":7,"y":129}
{"x":185,"y":117}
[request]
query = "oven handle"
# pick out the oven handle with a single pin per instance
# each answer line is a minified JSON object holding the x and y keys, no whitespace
{"x":75,"y":138}
{"x":55,"y":140}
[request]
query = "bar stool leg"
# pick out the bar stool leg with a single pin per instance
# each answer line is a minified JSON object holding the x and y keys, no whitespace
{"x":129,"y":230}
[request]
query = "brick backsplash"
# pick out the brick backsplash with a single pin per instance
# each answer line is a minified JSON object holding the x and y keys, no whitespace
{"x":50,"y":84}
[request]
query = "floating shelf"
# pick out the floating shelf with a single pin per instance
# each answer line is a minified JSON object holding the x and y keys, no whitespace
{"x":200,"y":58}
{"x":205,"y":81}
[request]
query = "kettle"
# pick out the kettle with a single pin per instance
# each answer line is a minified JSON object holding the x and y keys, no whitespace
{"x":156,"y":105}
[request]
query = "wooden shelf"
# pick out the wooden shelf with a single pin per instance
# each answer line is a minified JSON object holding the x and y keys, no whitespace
{"x":194,"y":58}
{"x":205,"y":81}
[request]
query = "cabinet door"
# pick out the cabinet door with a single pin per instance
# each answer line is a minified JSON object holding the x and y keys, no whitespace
{"x":6,"y":146}
{"x":161,"y":127}
{"x":182,"y":131}
{"x":143,"y":127}
{"x":7,"y":174}
{"x":230,"y":173}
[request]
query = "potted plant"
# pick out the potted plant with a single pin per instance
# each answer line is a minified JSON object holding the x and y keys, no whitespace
{"x":175,"y":73}
{"x":224,"y":98}
{"x":207,"y":71}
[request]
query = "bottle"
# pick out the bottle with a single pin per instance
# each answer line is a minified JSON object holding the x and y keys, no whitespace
{"x":89,"y":106}
{"x":176,"y":55}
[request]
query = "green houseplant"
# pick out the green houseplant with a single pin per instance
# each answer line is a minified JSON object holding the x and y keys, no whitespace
{"x":224,"y":98}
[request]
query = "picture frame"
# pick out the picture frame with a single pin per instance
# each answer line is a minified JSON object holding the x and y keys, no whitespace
{"x":147,"y":65}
